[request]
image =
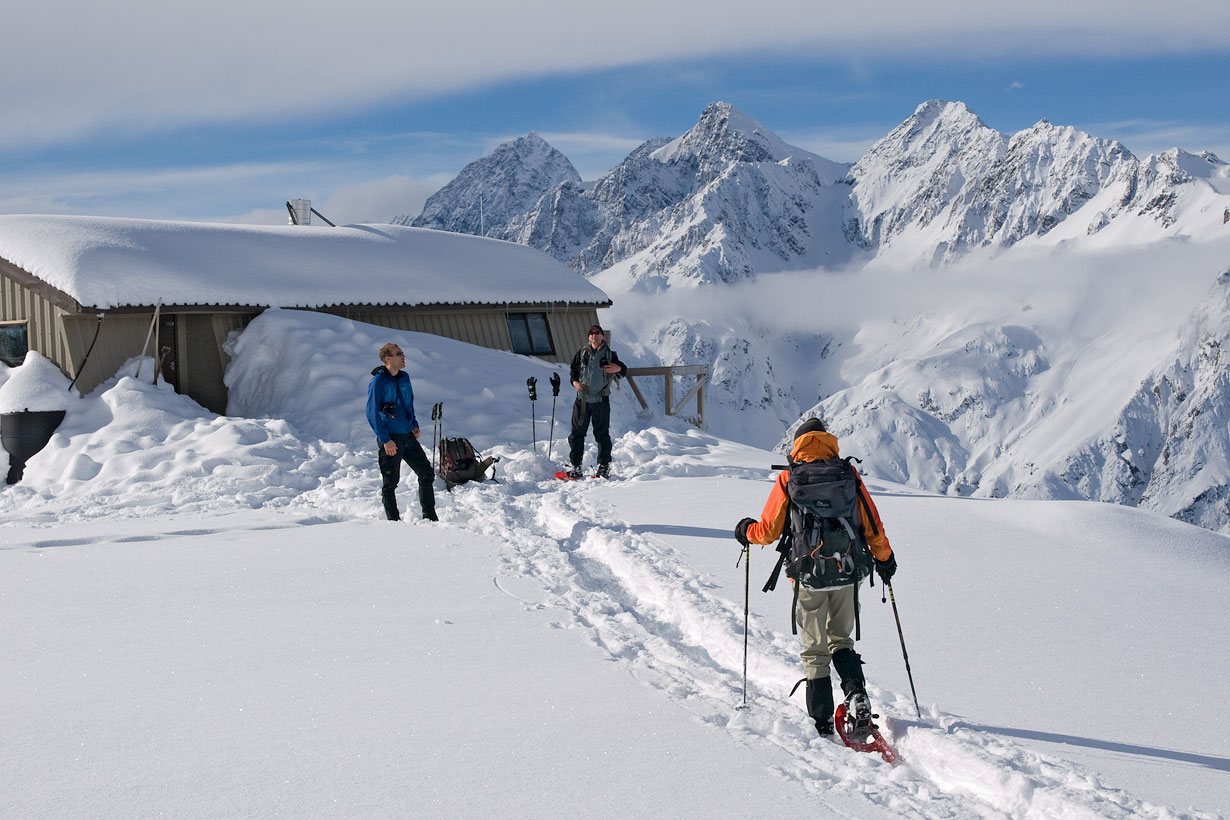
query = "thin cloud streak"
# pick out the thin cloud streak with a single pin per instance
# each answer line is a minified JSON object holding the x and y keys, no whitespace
{"x":136,"y":65}
{"x":209,"y":193}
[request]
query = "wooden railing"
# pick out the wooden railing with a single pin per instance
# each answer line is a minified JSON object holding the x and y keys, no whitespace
{"x":669,"y":373}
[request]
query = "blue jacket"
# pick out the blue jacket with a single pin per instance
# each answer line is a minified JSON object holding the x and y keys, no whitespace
{"x":387,"y":393}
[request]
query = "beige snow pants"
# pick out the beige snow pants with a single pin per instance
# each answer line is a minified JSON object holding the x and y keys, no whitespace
{"x":826,"y":623}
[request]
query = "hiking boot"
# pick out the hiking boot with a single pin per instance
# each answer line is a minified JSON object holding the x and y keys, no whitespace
{"x":574,"y":471}
{"x":604,"y":471}
{"x":858,"y":713}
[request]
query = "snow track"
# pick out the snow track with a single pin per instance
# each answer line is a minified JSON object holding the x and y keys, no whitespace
{"x":639,"y":600}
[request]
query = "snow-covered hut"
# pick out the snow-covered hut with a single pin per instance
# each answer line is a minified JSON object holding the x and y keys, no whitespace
{"x":72,"y":283}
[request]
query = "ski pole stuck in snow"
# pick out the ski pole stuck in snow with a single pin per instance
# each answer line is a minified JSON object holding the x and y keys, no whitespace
{"x":532,"y":384}
{"x":746,"y":557}
{"x":555,"y":383}
{"x":904,"y":654}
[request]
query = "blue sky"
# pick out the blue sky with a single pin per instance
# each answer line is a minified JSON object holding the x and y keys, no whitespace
{"x":184,"y":116}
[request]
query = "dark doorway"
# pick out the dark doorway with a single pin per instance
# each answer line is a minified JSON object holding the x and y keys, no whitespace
{"x":168,"y":349}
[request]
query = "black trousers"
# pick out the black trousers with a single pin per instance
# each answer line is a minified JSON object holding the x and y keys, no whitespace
{"x":585,"y":413}
{"x":410,"y":451}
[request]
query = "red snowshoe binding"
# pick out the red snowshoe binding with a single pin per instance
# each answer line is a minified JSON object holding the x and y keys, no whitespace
{"x":856,"y":726}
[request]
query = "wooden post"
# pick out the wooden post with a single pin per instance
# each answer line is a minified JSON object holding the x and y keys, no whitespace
{"x":700,"y":371}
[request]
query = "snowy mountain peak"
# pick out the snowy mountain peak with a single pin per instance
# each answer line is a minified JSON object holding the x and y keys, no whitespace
{"x":491,"y":193}
{"x":909,"y":179}
{"x":1187,"y":166}
{"x":725,"y":134}
{"x":937,"y":133}
{"x":942,"y":111}
{"x":729,"y":200}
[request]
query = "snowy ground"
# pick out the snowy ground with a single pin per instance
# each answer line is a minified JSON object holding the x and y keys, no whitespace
{"x":207,"y":617}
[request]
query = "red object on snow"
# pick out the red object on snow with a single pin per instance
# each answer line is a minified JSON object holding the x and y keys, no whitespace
{"x":868,"y":741}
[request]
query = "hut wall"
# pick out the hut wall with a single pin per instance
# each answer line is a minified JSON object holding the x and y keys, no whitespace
{"x":483,"y":326}
{"x":119,"y":339}
{"x":19,"y":303}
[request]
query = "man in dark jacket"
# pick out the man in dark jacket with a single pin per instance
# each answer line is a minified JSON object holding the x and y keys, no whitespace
{"x":593,"y":369}
{"x":826,"y":609}
{"x":390,"y":412}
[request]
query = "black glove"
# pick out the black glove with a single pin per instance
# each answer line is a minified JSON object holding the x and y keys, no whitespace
{"x":741,"y":531}
{"x":886,"y":569}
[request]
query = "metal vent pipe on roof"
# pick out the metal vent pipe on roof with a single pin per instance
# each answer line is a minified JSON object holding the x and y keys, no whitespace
{"x":300,"y":212}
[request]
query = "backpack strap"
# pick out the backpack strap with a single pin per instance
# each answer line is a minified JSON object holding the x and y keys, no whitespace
{"x":783,"y":549}
{"x":862,"y":493}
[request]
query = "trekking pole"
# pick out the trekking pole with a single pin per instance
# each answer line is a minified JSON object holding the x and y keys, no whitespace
{"x":435,"y":429}
{"x":904,"y":654}
{"x":532,"y":384}
{"x":441,"y":405}
{"x":746,"y":557}
{"x":555,"y":383}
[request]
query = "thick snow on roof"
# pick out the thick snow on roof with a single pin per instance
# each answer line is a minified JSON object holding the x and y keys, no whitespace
{"x":107,"y":262}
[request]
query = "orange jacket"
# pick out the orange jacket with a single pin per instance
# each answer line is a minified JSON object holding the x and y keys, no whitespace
{"x":814,"y":446}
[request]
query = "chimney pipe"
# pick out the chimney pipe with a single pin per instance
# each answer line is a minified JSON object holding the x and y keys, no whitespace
{"x":300,"y":211}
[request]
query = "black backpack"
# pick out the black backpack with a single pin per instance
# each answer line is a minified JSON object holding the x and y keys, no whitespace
{"x":824,"y":545}
{"x":460,"y":462}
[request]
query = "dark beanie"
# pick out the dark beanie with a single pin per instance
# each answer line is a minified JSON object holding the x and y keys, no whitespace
{"x":812,"y":425}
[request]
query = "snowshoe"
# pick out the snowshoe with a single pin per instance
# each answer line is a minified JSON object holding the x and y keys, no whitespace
{"x":860,"y":732}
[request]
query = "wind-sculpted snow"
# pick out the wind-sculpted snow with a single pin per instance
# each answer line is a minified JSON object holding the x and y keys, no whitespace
{"x":37,"y":385}
{"x":168,"y":573}
{"x":141,"y":450}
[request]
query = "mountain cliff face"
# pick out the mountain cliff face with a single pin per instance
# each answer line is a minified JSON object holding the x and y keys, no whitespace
{"x":722,"y":202}
{"x":991,"y":406}
{"x":491,"y":193}
{"x":911,"y":177}
{"x":729,"y":199}
{"x":1169,"y":448}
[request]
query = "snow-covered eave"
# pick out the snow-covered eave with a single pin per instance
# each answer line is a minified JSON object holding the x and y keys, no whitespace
{"x":32,"y":283}
{"x":350,"y":306}
{"x":103,"y":263}
{"x":69,"y":304}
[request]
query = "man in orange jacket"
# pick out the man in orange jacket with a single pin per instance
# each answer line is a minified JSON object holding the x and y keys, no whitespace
{"x":825,"y":611}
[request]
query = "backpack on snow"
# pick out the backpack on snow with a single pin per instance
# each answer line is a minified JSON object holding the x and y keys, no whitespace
{"x":824,"y":545}
{"x":460,"y":462}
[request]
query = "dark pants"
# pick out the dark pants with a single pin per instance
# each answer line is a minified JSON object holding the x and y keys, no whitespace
{"x":409,"y":450}
{"x":583,"y":413}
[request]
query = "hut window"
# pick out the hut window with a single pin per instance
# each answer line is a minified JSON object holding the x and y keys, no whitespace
{"x":14,"y":343}
{"x":530,"y":334}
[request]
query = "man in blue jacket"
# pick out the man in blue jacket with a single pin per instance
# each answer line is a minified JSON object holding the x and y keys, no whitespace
{"x":390,"y":412}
